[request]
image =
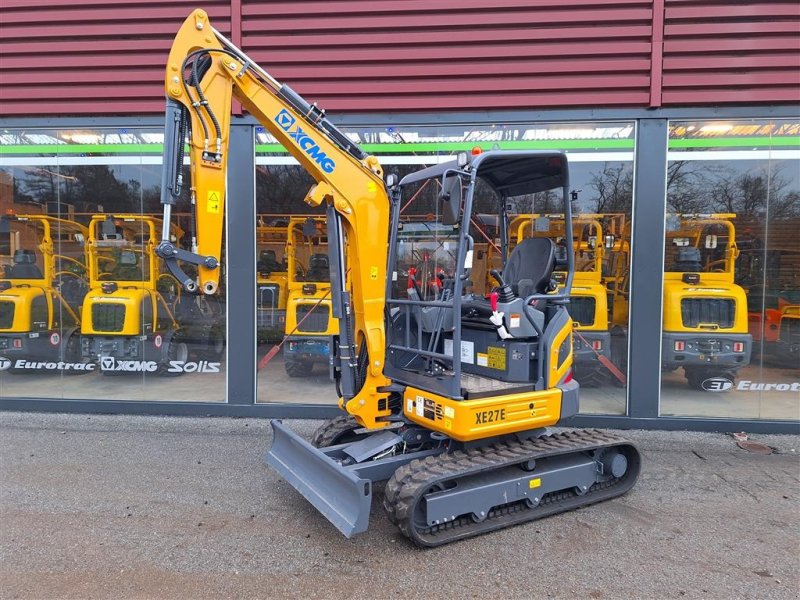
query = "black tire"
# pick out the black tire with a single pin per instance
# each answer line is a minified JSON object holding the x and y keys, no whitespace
{"x":298,"y":368}
{"x":696,"y":376}
{"x":177,"y":349}
{"x":339,"y":430}
{"x":590,"y":376}
{"x":72,"y":352}
{"x":214,"y":346}
{"x":217,"y":344}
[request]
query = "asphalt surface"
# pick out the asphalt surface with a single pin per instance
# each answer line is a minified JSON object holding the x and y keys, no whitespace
{"x":150,"y":507}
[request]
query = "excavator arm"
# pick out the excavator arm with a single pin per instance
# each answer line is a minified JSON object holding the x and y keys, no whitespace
{"x":205,"y":72}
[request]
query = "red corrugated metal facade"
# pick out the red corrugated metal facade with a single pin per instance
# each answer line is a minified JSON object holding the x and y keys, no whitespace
{"x":60,"y":57}
{"x":101,"y":58}
{"x":728,"y":51}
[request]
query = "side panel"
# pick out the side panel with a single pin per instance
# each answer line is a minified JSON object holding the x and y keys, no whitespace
{"x":477,"y":419}
{"x":559,"y":350}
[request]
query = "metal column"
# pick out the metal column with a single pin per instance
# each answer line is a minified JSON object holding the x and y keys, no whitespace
{"x":240,"y":264}
{"x":647,"y":268}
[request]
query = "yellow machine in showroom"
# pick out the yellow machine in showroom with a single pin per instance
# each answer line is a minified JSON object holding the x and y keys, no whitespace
{"x":446,"y":394}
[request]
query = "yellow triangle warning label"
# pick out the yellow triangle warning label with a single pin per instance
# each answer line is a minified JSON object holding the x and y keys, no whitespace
{"x":213,"y":201}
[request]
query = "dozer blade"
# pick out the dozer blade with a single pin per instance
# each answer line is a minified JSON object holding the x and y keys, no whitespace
{"x":343,"y":497}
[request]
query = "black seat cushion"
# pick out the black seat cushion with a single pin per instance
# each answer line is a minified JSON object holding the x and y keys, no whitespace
{"x":533,"y":260}
{"x":24,"y":266}
{"x":688,"y":260}
{"x":25,"y":272}
{"x":475,"y":313}
{"x":318,"y":268}
{"x":268,"y":262}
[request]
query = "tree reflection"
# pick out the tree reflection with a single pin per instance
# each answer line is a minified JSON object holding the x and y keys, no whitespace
{"x":613,"y":188}
{"x":762,"y":192}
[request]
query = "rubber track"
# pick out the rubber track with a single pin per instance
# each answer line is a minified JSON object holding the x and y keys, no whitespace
{"x":410,"y":482}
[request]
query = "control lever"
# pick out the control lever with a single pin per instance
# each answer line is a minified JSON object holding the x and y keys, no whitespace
{"x":505,"y":293}
{"x":497,"y":317}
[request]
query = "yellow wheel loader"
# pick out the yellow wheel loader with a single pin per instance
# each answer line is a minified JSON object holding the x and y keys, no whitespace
{"x":41,"y":291}
{"x":705,"y":312}
{"x":272,"y":282}
{"x":310,"y":326}
{"x":705,"y":318}
{"x":135,"y":318}
{"x":594,"y":235}
{"x":446,"y":393}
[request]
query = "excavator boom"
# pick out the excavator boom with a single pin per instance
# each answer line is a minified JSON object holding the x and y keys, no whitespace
{"x":205,"y":72}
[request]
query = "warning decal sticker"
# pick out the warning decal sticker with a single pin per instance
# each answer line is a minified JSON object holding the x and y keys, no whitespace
{"x":497,"y":358}
{"x":213,"y":201}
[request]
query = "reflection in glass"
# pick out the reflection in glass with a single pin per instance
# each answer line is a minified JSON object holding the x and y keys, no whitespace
{"x":599,"y":358}
{"x":309,"y":322}
{"x":734,"y":204}
{"x":100,"y":302}
{"x":705,"y":322}
{"x":42,"y":288}
{"x":601,"y":174}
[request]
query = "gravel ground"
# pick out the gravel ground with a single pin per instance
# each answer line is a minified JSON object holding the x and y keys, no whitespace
{"x":150,"y":507}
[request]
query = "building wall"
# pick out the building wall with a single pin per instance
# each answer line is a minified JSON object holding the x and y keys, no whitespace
{"x":722,"y":77}
{"x":100,"y":58}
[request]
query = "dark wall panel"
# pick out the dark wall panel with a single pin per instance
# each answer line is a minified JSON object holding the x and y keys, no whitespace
{"x":730,"y":51}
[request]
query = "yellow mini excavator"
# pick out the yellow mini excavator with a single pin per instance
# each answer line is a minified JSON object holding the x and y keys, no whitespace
{"x":446,"y":393}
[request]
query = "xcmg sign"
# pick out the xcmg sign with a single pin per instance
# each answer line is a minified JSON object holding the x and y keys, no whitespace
{"x":304,"y":141}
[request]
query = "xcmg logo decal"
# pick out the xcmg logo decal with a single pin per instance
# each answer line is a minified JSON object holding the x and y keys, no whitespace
{"x":304,"y":141}
{"x":109,"y":363}
{"x":285,"y":120}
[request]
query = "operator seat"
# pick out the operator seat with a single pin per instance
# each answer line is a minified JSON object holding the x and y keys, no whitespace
{"x":530,"y":266}
{"x":24,"y":266}
{"x":318,"y":268}
{"x":529,"y":270}
{"x":688,"y":261}
{"x":127,"y":268}
{"x":268,"y":262}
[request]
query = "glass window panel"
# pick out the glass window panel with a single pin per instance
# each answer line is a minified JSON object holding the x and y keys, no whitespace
{"x":83,"y":207}
{"x":601,"y":174}
{"x":730,"y":347}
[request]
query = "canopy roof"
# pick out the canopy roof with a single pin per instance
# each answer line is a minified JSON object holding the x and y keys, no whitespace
{"x":509,"y":173}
